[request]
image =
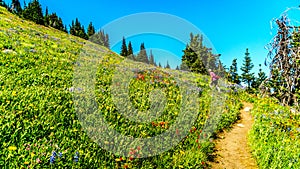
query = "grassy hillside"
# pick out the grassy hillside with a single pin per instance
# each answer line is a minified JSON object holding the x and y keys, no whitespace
{"x":37,"y":114}
{"x":275,"y":135}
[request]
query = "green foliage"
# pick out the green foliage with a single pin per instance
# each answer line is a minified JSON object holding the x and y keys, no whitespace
{"x":151,"y":59}
{"x":283,"y":82}
{"x":261,"y":78}
{"x":167,"y":65}
{"x":33,"y":12}
{"x":100,"y":38}
{"x":3,"y":4}
{"x":142,"y":55}
{"x":91,"y":29}
{"x":124,"y":51}
{"x":199,"y":58}
{"x":54,"y":21}
{"x":233,"y":74}
{"x":77,"y":29}
{"x":247,"y":76}
{"x":16,"y":7}
{"x":275,"y":135}
{"x":38,"y":115}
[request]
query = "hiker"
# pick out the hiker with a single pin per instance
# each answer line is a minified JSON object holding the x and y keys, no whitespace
{"x":214,"y":79}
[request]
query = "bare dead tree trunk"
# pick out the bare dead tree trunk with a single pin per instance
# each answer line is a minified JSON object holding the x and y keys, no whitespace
{"x":284,"y":65}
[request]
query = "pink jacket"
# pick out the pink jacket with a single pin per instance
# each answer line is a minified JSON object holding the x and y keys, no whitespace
{"x":213,"y":76}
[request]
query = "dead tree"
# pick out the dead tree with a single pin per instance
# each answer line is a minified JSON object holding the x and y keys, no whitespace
{"x":283,"y":82}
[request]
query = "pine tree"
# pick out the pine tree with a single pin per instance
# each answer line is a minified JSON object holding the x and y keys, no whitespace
{"x":77,"y":29}
{"x":2,"y":3}
{"x":159,"y":65}
{"x":91,"y":29}
{"x":151,"y":58}
{"x":177,"y":67}
{"x":142,"y":56}
{"x":54,"y":21}
{"x":192,"y":61}
{"x":247,"y":76}
{"x":184,"y":67}
{"x":124,"y":51}
{"x":100,"y":38}
{"x":233,"y":74}
{"x":261,"y":77}
{"x":66,"y":29}
{"x":16,"y":7}
{"x":34,"y":12}
{"x":46,"y":17}
{"x":130,"y":50}
{"x":167,"y":65}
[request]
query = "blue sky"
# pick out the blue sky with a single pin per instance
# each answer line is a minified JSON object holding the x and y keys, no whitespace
{"x":231,"y":26}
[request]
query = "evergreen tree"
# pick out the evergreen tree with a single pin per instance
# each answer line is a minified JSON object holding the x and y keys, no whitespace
{"x":16,"y":7}
{"x":2,"y":3}
{"x":247,"y":76}
{"x":177,"y":67}
{"x":54,"y":21}
{"x":159,"y":65}
{"x":124,"y":51}
{"x":100,"y":38}
{"x":130,"y":50}
{"x":66,"y":29}
{"x":184,"y":67}
{"x":91,"y":29}
{"x":261,"y":77}
{"x":151,"y":58}
{"x":77,"y":29}
{"x":34,"y":12}
{"x":198,"y":58}
{"x":233,"y":74}
{"x":192,"y":61}
{"x":167,"y":65}
{"x":46,"y":17}
{"x":142,"y":56}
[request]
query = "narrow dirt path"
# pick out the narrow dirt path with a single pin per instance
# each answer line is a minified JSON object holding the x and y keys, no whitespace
{"x":233,"y":151}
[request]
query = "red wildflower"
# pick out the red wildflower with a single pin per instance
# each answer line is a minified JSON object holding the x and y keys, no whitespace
{"x":130,"y":158}
{"x":138,"y":148}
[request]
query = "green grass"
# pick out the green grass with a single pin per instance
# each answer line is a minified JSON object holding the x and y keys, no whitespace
{"x":37,"y":113}
{"x":275,"y":135}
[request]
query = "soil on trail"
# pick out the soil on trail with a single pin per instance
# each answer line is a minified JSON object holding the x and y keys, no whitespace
{"x":232,"y":150}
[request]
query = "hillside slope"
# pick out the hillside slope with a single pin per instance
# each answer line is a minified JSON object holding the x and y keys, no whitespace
{"x":39,"y":124}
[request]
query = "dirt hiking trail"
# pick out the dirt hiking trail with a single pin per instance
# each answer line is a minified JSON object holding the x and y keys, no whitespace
{"x":232,"y":150}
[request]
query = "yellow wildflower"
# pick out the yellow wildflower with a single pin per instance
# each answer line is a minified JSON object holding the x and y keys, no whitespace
{"x":12,"y":148}
{"x":32,"y":155}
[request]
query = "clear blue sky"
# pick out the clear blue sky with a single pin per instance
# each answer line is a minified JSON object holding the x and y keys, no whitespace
{"x":231,"y":26}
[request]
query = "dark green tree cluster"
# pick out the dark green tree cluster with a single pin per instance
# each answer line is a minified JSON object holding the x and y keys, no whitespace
{"x":233,"y":75}
{"x":142,"y":56}
{"x":99,"y":37}
{"x":246,"y":76}
{"x":3,"y":4}
{"x":54,"y":21}
{"x":77,"y":29}
{"x":199,"y":58}
{"x":33,"y":12}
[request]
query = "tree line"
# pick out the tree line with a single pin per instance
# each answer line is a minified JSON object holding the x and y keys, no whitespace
{"x":33,"y":12}
{"x":142,"y":56}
